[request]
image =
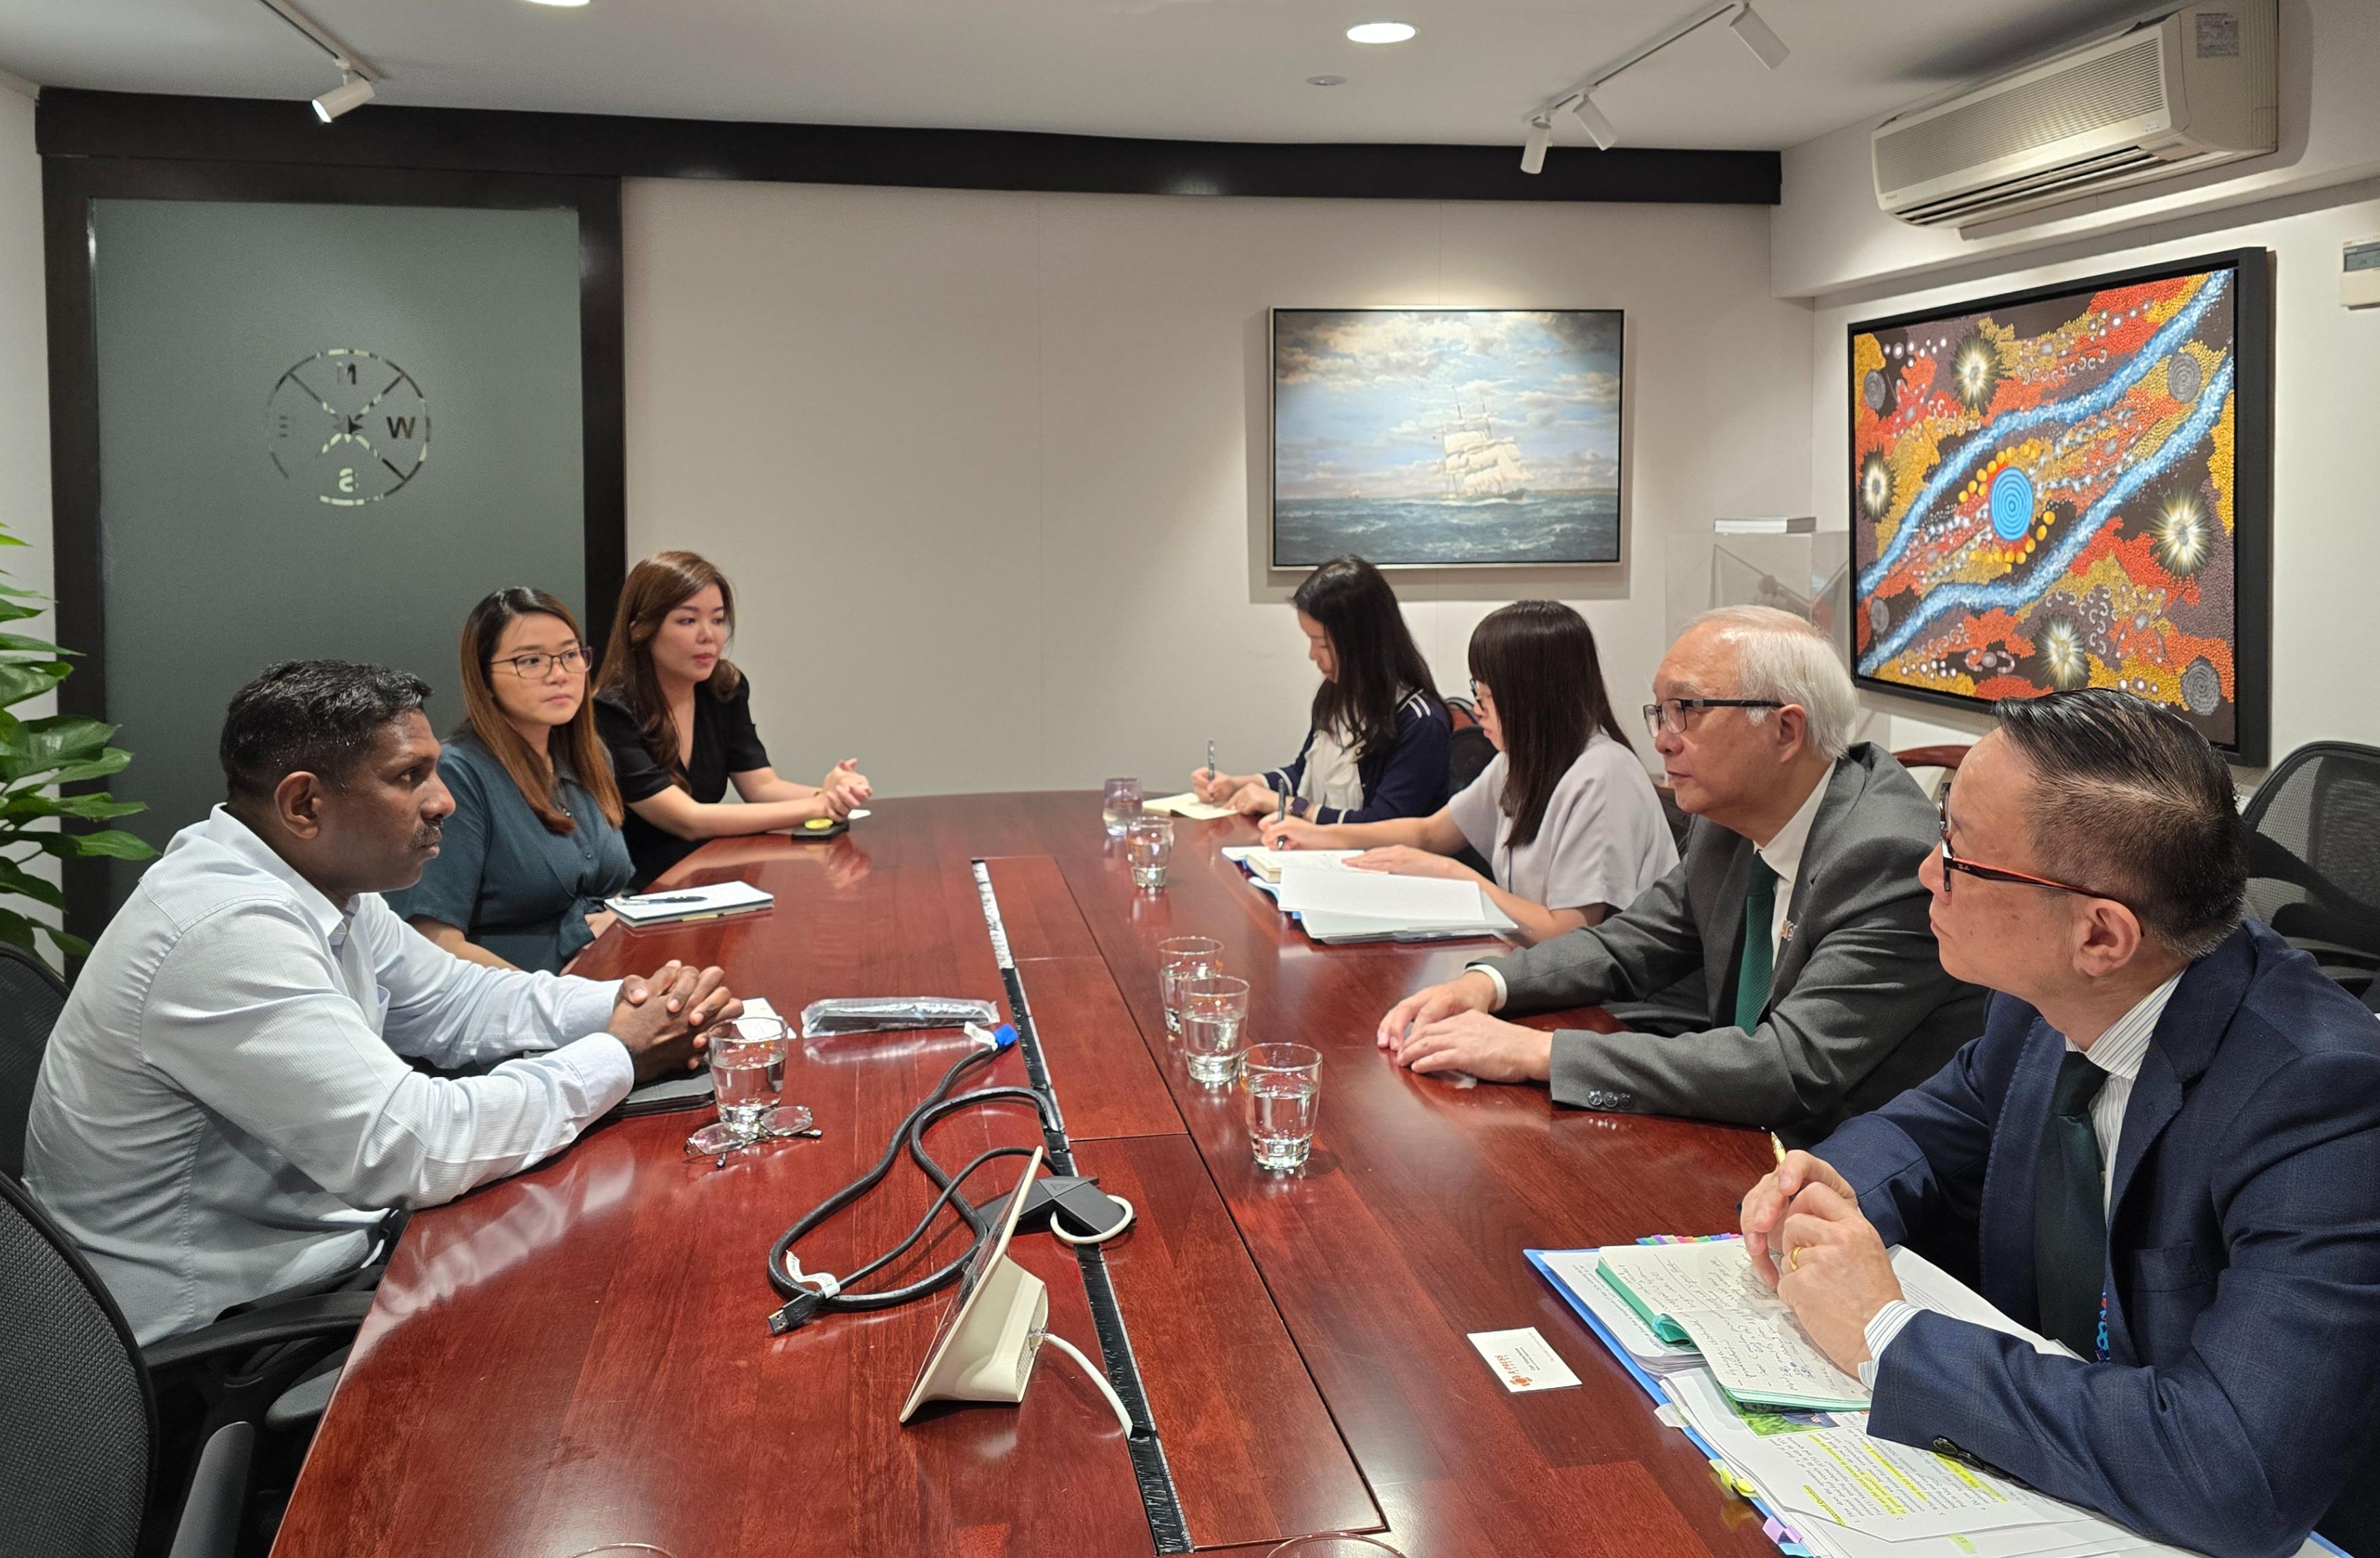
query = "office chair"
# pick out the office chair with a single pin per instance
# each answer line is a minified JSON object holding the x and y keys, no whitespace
{"x":2314,"y":857}
{"x":30,"y":998}
{"x":1946,"y":759}
{"x":80,"y":1456}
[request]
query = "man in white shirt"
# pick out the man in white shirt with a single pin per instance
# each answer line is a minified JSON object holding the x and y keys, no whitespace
{"x":225,"y":1108}
{"x":2163,"y":1152}
{"x":1789,"y":973}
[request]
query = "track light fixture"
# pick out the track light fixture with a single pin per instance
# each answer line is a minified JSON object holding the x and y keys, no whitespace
{"x":1579,"y":96}
{"x":1602,"y":130}
{"x":353,"y":92}
{"x":1541,"y":135}
{"x":1759,"y":37}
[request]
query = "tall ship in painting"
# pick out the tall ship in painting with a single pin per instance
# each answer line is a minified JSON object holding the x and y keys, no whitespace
{"x":1480,"y":465}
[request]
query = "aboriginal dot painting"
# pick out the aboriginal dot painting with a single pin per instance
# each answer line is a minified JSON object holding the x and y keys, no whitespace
{"x":2045,"y":495}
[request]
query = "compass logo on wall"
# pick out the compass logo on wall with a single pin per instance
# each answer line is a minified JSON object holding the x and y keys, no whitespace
{"x":348,"y":424}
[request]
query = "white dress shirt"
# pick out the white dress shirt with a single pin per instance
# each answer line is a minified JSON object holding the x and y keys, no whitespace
{"x":1782,"y":853}
{"x":225,"y":1109}
{"x":2119,"y":1053}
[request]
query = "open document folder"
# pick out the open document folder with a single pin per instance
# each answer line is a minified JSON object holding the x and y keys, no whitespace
{"x":1827,"y":1487}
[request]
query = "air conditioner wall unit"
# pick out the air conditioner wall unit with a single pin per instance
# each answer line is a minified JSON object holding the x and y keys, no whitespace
{"x":2189,"y":91}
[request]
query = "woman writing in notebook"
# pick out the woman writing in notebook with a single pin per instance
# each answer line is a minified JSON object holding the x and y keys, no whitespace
{"x":534,"y":845}
{"x":677,"y":716}
{"x":1376,"y":746}
{"x":1563,"y":813}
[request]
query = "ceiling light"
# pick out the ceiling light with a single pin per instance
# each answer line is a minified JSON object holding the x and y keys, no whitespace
{"x":353,"y":92}
{"x":560,"y":3}
{"x":1380,"y":32}
{"x":1541,"y":135}
{"x":1326,"y":81}
{"x":1759,"y":37}
{"x":1601,"y":128}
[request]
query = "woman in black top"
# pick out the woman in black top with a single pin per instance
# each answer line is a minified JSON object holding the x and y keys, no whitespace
{"x":677,"y":716}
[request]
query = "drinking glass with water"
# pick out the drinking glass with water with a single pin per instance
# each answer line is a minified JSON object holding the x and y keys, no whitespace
{"x":1119,"y":804}
{"x":1149,"y":846}
{"x":1180,"y":959}
{"x":748,"y":1075}
{"x":1214,"y":1028}
{"x":1283,"y":1086}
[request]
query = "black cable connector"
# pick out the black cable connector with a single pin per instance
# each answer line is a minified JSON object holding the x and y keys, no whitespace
{"x":803,"y":1307}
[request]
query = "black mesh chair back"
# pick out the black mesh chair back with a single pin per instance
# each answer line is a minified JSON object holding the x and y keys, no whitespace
{"x":30,"y":998}
{"x":2313,"y":856}
{"x":76,"y":1419}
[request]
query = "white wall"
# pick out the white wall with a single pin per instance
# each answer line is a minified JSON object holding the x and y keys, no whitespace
{"x":2327,"y":407}
{"x":1830,"y":236}
{"x":988,"y":469}
{"x":24,"y":376}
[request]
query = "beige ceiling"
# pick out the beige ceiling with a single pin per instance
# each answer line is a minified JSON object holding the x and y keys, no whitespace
{"x":1203,"y":70}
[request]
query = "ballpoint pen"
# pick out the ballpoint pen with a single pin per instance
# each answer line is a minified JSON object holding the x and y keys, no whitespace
{"x":1211,"y":762}
{"x":680,"y":898}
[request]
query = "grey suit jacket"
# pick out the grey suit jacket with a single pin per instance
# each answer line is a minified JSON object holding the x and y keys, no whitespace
{"x":1859,"y":1008}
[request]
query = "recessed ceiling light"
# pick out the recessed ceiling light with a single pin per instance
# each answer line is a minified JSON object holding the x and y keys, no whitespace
{"x":1380,"y":32}
{"x":1326,"y":81}
{"x":571,"y":4}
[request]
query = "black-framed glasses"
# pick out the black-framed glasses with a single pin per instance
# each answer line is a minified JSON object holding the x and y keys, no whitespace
{"x":529,"y":667}
{"x":1481,"y":695}
{"x":1951,"y":863}
{"x":1669,"y":714}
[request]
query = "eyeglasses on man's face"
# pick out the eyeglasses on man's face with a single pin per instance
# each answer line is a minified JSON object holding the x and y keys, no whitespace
{"x":1951,"y":863}
{"x":1673,"y":716}
{"x":531,"y":667}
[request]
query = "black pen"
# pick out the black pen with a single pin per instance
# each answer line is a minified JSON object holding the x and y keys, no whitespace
{"x":680,"y":898}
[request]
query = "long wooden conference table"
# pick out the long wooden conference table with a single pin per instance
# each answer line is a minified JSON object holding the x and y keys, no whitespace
{"x":578,"y":1357}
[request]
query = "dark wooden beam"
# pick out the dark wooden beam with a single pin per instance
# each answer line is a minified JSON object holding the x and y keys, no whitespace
{"x":70,"y":123}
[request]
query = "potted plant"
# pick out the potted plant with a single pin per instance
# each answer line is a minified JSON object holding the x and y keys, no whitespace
{"x":36,"y":757}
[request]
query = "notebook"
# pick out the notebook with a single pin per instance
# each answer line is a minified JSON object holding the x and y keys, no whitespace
{"x":673,"y":904}
{"x":1704,"y":1295}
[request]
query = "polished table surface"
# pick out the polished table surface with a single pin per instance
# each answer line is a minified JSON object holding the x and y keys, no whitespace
{"x":578,"y":1356}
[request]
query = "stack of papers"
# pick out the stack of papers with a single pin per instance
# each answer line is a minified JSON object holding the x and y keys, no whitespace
{"x":1338,"y":904}
{"x":689,"y":903}
{"x":1186,"y":805}
{"x":1266,"y":865}
{"x":1828,"y":1488}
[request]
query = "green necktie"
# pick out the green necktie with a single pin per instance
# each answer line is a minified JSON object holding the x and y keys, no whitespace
{"x":1759,"y":961}
{"x":2069,"y":1209}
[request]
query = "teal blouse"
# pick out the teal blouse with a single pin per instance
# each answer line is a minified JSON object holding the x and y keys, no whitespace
{"x":522,"y":893}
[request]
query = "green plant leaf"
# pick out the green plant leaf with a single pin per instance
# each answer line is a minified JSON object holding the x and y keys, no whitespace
{"x":114,"y":843}
{"x":14,"y":611}
{"x":24,"y":884}
{"x":8,"y":540}
{"x":71,"y":946}
{"x":50,"y":742}
{"x":27,"y":805}
{"x":111,"y":759}
{"x":29,"y":678}
{"x":18,"y":930}
{"x":38,"y":646}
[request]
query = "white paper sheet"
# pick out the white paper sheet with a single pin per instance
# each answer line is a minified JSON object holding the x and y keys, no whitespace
{"x":1417,"y":900}
{"x":1764,"y":1355}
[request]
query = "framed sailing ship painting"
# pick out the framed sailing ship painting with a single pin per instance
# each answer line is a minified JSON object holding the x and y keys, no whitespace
{"x":1433,"y":438}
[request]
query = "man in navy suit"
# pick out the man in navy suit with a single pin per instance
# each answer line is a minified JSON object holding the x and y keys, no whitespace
{"x":2164,"y":1150}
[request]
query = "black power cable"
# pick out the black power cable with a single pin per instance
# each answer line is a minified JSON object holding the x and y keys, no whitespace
{"x":805,"y":1302}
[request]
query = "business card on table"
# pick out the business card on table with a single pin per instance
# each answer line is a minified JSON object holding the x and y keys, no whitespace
{"x":1523,"y":1360}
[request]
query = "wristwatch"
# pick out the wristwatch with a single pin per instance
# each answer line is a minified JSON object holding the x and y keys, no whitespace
{"x":1299,"y":806}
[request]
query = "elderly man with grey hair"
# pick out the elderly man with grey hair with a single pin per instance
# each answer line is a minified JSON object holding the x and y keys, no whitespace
{"x":1797,"y":977}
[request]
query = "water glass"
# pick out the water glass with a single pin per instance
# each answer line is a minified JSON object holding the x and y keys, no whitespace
{"x":1180,"y":959}
{"x":1283,"y":1084}
{"x":1119,"y":804}
{"x":1214,"y":1028}
{"x":747,"y":1070}
{"x":1149,"y":844}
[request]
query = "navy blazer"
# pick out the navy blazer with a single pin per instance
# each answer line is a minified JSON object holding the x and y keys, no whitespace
{"x":2237,"y":1410}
